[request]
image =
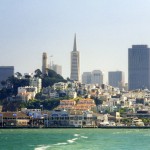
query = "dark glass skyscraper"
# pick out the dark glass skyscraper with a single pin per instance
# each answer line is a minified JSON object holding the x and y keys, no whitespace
{"x":139,"y":67}
{"x":5,"y":72}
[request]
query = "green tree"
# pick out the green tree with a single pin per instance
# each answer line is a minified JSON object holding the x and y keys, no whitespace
{"x":27,"y":76}
{"x":38,"y":73}
{"x":51,"y":78}
{"x":15,"y":82}
{"x":98,"y":101}
{"x":18,"y":74}
{"x":3,"y":83}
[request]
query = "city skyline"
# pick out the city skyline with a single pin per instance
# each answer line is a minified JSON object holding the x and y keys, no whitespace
{"x":105,"y":31}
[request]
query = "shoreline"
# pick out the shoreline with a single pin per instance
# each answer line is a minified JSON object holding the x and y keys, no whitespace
{"x":102,"y":127}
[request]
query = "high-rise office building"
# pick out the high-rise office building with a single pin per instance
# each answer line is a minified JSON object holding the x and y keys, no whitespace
{"x":97,"y":77}
{"x":139,"y":67}
{"x":57,"y":69}
{"x":44,"y":63}
{"x":116,"y":79}
{"x":75,"y":63}
{"x":5,"y":72}
{"x":86,"y":78}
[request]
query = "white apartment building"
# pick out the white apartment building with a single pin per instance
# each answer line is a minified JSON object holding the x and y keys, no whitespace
{"x":27,"y":92}
{"x":60,"y":85}
{"x":72,"y":94}
{"x":36,"y":82}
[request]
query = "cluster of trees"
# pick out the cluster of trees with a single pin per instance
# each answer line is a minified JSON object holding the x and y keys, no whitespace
{"x":146,"y":121}
{"x":10,"y":88}
{"x":16,"y":105}
{"x":51,"y":77}
{"x":98,"y":101}
{"x":13,"y":105}
{"x":47,"y":104}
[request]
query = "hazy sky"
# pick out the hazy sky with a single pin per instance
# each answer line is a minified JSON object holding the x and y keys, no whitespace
{"x":105,"y":30}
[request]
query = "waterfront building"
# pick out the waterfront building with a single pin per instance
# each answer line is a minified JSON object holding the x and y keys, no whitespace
{"x":76,"y":118}
{"x":116,"y":79}
{"x":5,"y":72}
{"x":97,"y":77}
{"x":86,"y":77}
{"x":13,"y":119}
{"x":71,"y":118}
{"x":58,"y":118}
{"x":75,"y":63}
{"x":139,"y":67}
{"x":44,"y":63}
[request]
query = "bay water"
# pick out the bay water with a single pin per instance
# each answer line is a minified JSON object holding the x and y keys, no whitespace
{"x":75,"y":139}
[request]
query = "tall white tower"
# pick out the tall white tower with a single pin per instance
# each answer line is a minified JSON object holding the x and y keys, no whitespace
{"x":75,"y":62}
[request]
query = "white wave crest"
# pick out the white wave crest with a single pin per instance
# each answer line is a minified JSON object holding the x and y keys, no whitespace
{"x":41,"y":147}
{"x":60,"y":144}
{"x":85,"y":137}
{"x":76,"y":134}
{"x":72,"y":140}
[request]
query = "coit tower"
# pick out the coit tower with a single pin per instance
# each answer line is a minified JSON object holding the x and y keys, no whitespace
{"x":44,"y":63}
{"x":75,"y":62}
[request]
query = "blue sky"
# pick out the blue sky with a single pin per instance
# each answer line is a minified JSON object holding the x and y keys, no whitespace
{"x":105,"y":30}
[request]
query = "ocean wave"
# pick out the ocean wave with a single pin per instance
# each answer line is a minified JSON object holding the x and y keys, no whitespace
{"x":123,"y":132}
{"x":70,"y":141}
{"x":76,"y":134}
{"x":85,"y":137}
{"x":42,"y":147}
{"x":74,"y":139}
{"x":60,"y":144}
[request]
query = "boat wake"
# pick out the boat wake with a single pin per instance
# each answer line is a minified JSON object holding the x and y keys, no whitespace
{"x":84,"y":137}
{"x":76,"y":134}
{"x":69,"y":141}
{"x":72,"y":140}
{"x":60,"y":144}
{"x":42,"y":147}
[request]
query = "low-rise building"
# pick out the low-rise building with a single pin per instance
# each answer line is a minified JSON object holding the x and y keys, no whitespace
{"x":13,"y":119}
{"x":26,"y":93}
{"x":57,"y":118}
{"x":60,"y":86}
{"x":66,"y":104}
{"x":72,"y":94}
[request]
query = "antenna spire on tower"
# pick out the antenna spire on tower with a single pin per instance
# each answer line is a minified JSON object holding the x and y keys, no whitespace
{"x":75,"y":45}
